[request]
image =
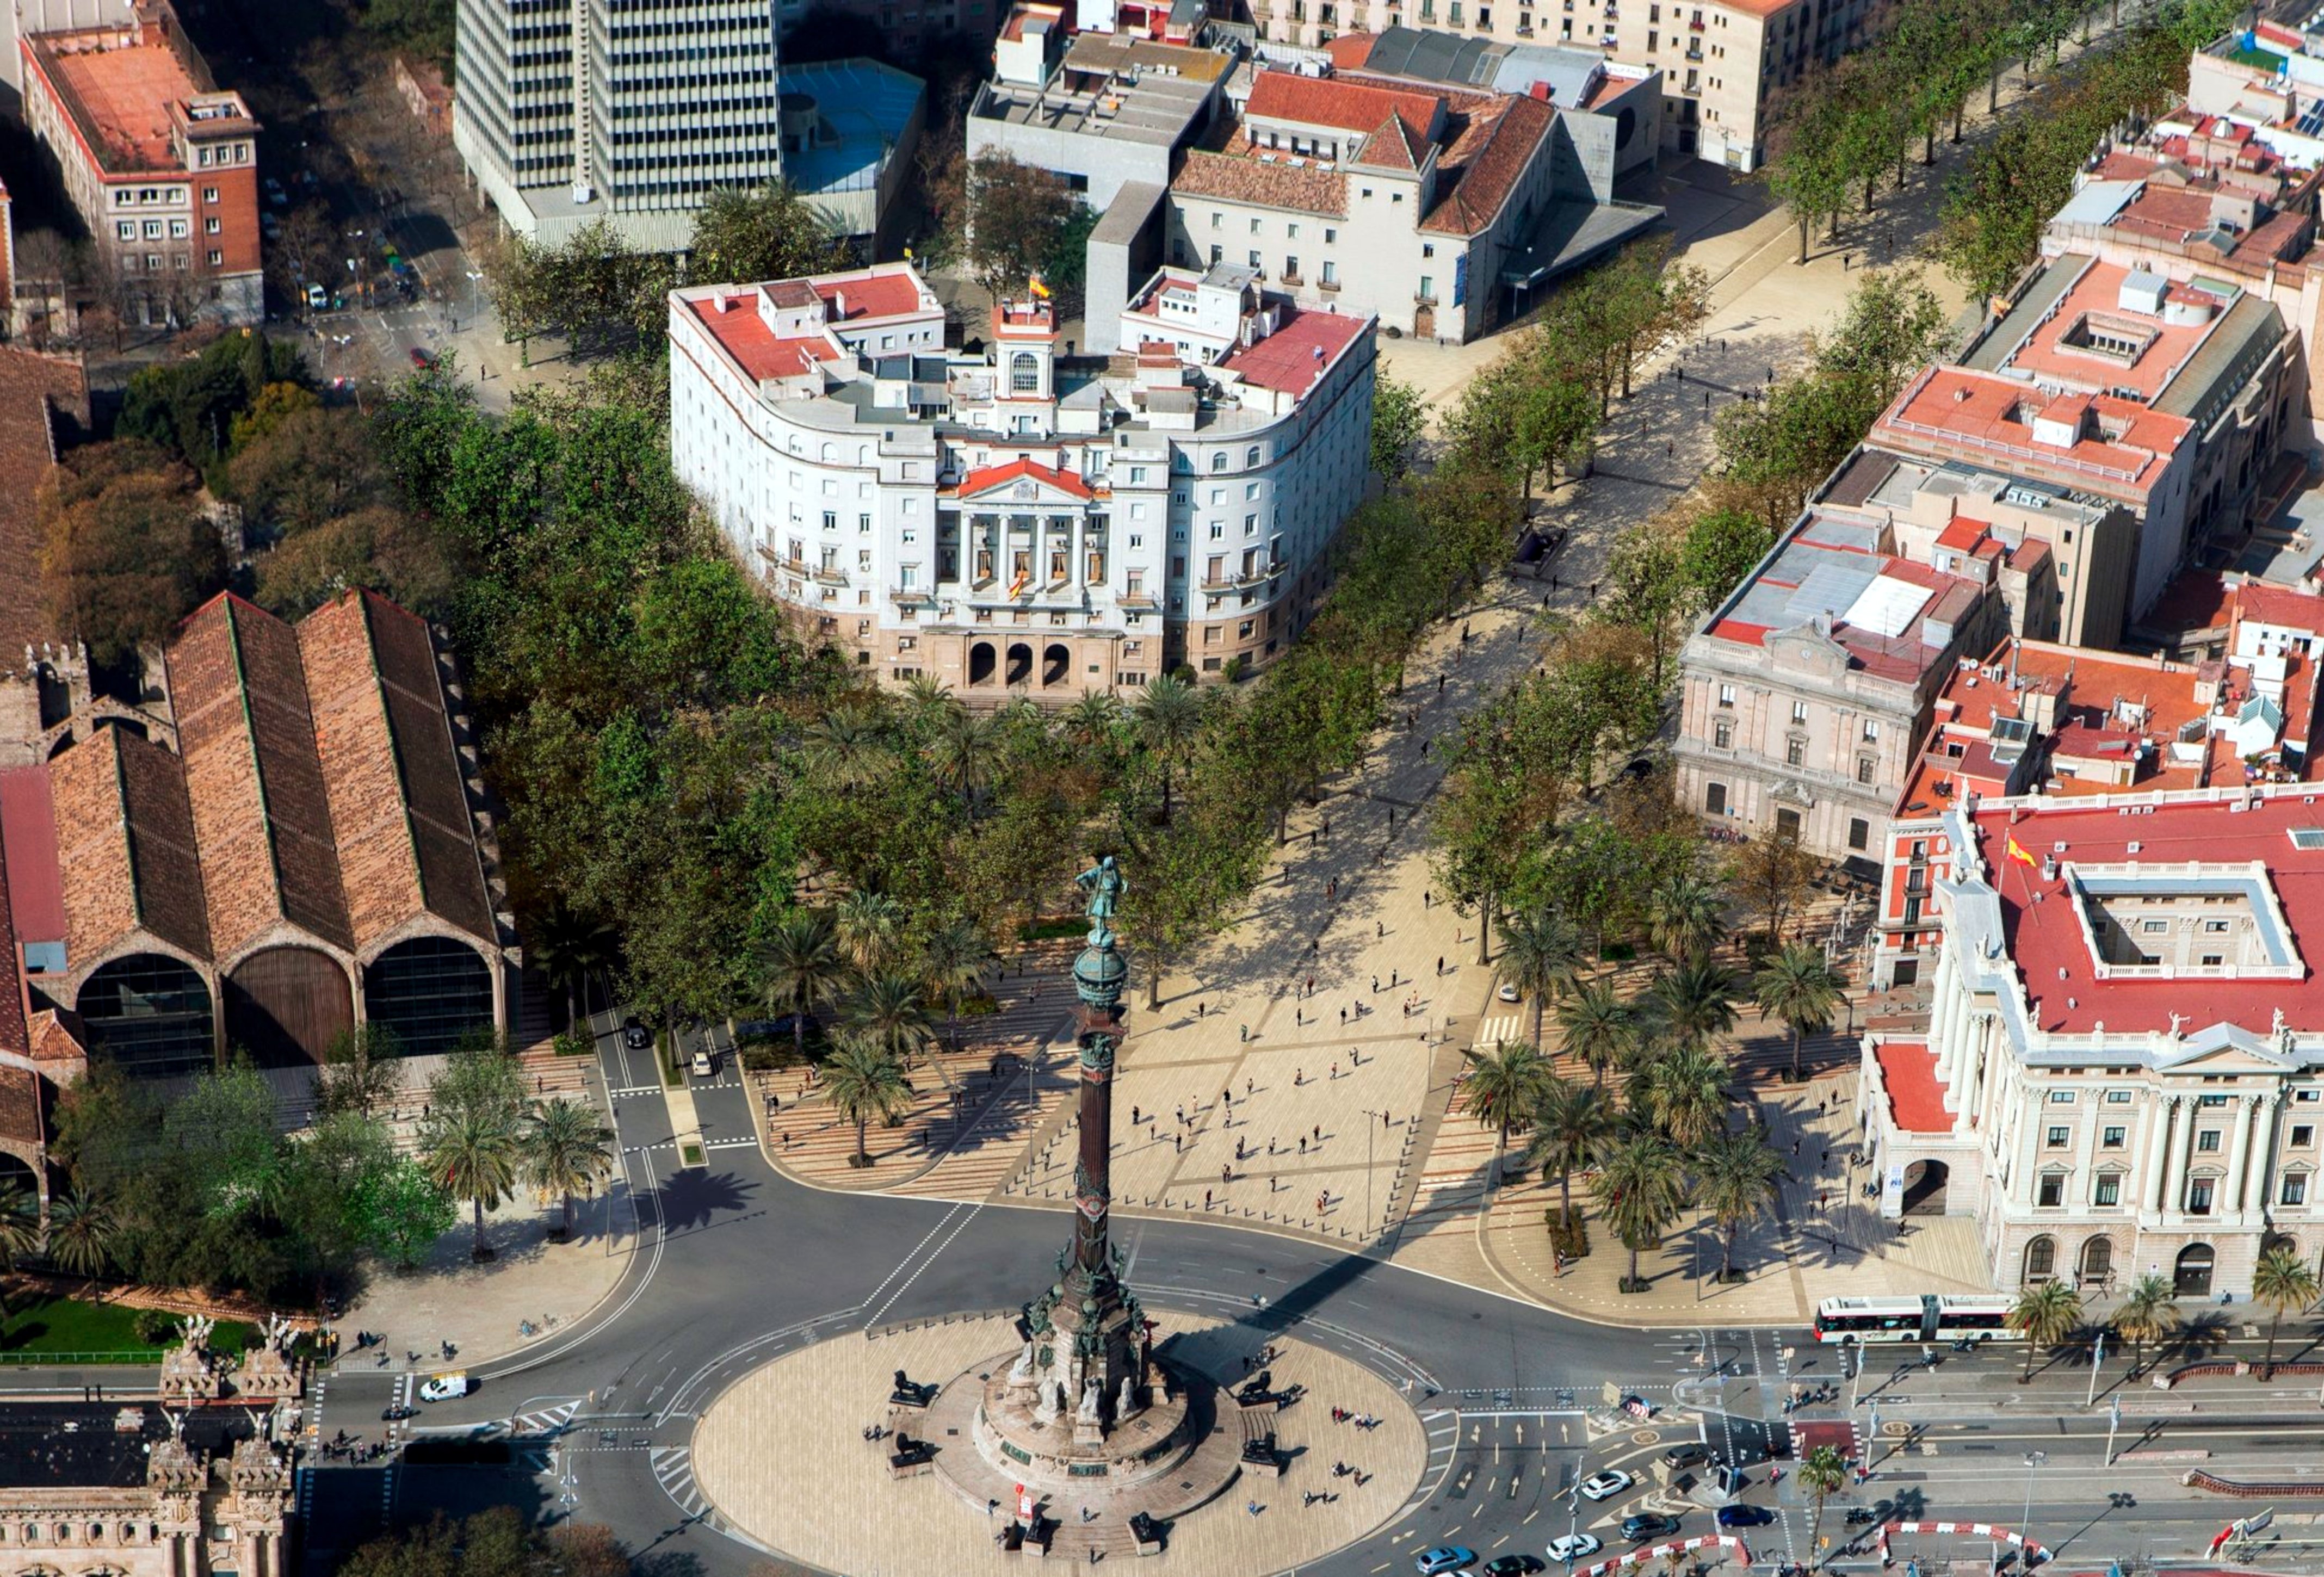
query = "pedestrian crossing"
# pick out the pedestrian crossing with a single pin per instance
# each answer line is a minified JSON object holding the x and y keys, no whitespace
{"x":549,"y":1420}
{"x":673,"y":1467}
{"x":1500,"y":1027}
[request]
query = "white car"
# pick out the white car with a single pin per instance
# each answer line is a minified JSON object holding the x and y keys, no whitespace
{"x":1509,"y":993}
{"x":443,"y":1388}
{"x":1605,"y":1486}
{"x":1573,"y":1546}
{"x":703,"y":1066}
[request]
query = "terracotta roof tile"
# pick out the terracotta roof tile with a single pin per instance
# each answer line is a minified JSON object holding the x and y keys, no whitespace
{"x":1486,"y":156}
{"x":126,"y":834}
{"x":13,"y":1035}
{"x":1394,"y":146}
{"x":1324,"y":101}
{"x":1238,"y":176}
{"x":992,"y":476}
{"x":20,"y":1105}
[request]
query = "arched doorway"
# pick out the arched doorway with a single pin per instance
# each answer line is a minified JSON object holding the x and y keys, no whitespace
{"x":286,"y":1005}
{"x":2041,"y":1260}
{"x":2191,"y":1275}
{"x":2097,"y":1261}
{"x":16,"y":1170}
{"x":1924,"y":1188}
{"x":432,"y":990}
{"x":1020,"y":663}
{"x":1056,"y":664}
{"x":150,"y":1014}
{"x":981,"y":662}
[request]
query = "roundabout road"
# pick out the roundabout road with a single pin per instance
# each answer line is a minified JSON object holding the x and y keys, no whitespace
{"x":738,"y":1265}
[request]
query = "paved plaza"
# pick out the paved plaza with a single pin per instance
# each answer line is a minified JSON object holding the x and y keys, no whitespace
{"x":781,"y":1456}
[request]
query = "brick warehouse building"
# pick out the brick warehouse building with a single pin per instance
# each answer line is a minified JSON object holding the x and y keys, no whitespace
{"x":161,"y":166}
{"x":286,"y":848}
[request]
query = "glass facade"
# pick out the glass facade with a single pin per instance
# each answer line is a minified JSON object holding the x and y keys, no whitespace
{"x":151,"y":1014}
{"x":430,"y":991}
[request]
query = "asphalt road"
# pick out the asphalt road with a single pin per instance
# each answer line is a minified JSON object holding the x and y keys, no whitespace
{"x":736,"y":1266}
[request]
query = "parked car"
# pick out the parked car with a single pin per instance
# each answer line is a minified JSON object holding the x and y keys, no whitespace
{"x":1511,"y":1567}
{"x":443,"y":1388}
{"x":1573,"y":1546}
{"x":1605,"y":1486}
{"x":1509,"y":993}
{"x":1744,"y":1517}
{"x":705,"y":1064}
{"x":634,"y":1034}
{"x":421,"y":359}
{"x":1648,"y":1524}
{"x":318,"y":298}
{"x":1444,"y":1558}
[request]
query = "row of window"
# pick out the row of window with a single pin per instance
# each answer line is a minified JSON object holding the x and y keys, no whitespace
{"x":179,"y":229}
{"x":152,"y":262}
{"x":2059,"y":1137}
{"x":2106,"y":1191}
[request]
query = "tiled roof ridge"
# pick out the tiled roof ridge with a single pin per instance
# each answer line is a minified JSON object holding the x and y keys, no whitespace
{"x":250,"y":737}
{"x":363,"y":600}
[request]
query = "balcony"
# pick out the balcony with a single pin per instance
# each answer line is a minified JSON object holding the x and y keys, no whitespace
{"x":1694,"y":53}
{"x":1695,"y":26}
{"x":1138,"y":602}
{"x":829,"y":575}
{"x":1330,"y":286}
{"x":912,"y":596}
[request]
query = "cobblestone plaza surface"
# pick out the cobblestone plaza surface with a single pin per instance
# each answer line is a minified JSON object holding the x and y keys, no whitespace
{"x":780,"y":1455}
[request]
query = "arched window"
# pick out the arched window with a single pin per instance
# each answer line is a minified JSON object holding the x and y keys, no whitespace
{"x":2041,"y":1260}
{"x":1219,"y":460}
{"x":830,"y":452}
{"x":1251,"y":455}
{"x":1025,"y":374}
{"x":2097,"y":1260}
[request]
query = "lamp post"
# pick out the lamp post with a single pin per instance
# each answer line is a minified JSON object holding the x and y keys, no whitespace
{"x":2113,"y":1422}
{"x":2098,"y":1357}
{"x":2034,"y":1460}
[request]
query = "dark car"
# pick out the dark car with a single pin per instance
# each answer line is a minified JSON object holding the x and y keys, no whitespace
{"x":634,"y":1034}
{"x":1745,"y":1515}
{"x":1648,"y":1524}
{"x":1685,"y":1456}
{"x":421,"y":359}
{"x":1512,"y":1566}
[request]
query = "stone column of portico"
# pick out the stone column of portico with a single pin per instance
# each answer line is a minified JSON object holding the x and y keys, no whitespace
{"x":2183,"y":1155}
{"x":2151,"y":1159}
{"x":2238,"y":1149}
{"x":2268,"y":1122}
{"x":1970,"y":1066}
{"x":1943,"y":1009}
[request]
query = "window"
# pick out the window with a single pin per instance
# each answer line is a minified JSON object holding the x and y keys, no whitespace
{"x":2118,"y":1097}
{"x":1796,"y":752}
{"x":2057,"y":1138}
{"x":1799,"y":712}
{"x":1331,"y":271}
{"x":1867,"y":768}
{"x":1714,"y":799}
{"x":213,"y":226}
{"x":2302,"y":1136}
{"x":1727,"y":695}
{"x":1871,"y":731}
{"x":2108,"y":1189}
{"x":1255,"y":262}
{"x":1219,"y":460}
{"x":126,"y":230}
{"x":2198,"y":1196}
{"x":2112,"y":1138}
{"x":209,"y":194}
{"x":1217,"y":218}
{"x":1291,"y":268}
{"x":152,"y":229}
{"x":1024,"y":374}
{"x":1860,"y":833}
{"x":2051,"y":1192}
{"x":2295,"y":1189}
{"x":1254,"y":226}
{"x":1427,"y":288}
{"x":2154,"y":927}
{"x":179,"y":229}
{"x":2061,"y":1097}
{"x":2216,"y":928}
{"x":1723,"y":734}
{"x":2208,"y":1141}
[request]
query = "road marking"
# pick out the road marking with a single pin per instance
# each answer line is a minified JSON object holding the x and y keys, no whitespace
{"x":933,"y":1255}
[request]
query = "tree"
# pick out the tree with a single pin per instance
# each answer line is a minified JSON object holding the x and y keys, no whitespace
{"x":404,"y":1210}
{"x":866,"y":925}
{"x":1541,"y":956}
{"x":2046,"y":1313}
{"x":952,"y":966}
{"x":2286,"y":1284}
{"x":1822,"y":1472}
{"x":1694,"y":1004}
{"x":1400,"y":421}
{"x":82,"y":1232}
{"x":1772,"y":874}
{"x":474,"y":1151}
{"x":1720,"y":550}
{"x":2149,"y":1312}
{"x":373,"y":548}
{"x":1597,"y":1025}
{"x":887,"y":1010}
{"x":1570,"y":1122}
{"x":1686,"y":1095}
{"x":964,"y":753}
{"x":1015,"y":213}
{"x":361,"y":1071}
{"x":1799,"y":986}
{"x":1685,"y":916}
{"x":1168,"y":715}
{"x":748,"y":234}
{"x":863,"y":1082}
{"x":125,"y":552}
{"x":1641,"y":1186}
{"x":1502,"y":1086}
{"x":567,"y":1150}
{"x":1737,"y":1179}
{"x":297,"y":466}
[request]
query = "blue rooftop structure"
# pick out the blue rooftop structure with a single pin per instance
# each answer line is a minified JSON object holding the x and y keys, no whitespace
{"x":848,"y":127}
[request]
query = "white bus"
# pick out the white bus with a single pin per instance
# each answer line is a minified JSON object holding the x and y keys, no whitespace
{"x":1930,"y":1317}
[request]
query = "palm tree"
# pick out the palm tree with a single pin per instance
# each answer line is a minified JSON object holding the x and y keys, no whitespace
{"x":964,"y":753}
{"x":474,"y":1151}
{"x":1695,"y":1001}
{"x":2047,"y":1313}
{"x":82,"y":1231}
{"x":567,"y":950}
{"x":567,"y":1150}
{"x":1597,"y":1026}
{"x":1169,"y":714}
{"x":927,"y":695}
{"x":1504,"y":1084}
{"x":849,"y":747}
{"x":867,"y":924}
{"x":1799,"y":986}
{"x":1641,"y":1186}
{"x":2286,"y":1284}
{"x":1541,"y":956}
{"x":887,"y":1011}
{"x":1569,"y":1121}
{"x":20,"y":1230}
{"x":802,"y":969}
{"x":1686,"y":1095}
{"x":1822,"y":1472}
{"x":1737,"y":1178}
{"x":1091,"y":721}
{"x":863,"y":1082}
{"x":952,"y":966}
{"x":2149,"y":1312}
{"x":1684,"y":917}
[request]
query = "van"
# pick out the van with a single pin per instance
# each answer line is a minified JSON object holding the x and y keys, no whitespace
{"x":443,"y":1388}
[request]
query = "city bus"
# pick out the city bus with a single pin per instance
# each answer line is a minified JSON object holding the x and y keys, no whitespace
{"x":1930,"y":1317}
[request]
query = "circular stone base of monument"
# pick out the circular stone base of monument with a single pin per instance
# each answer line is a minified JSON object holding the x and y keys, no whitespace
{"x":781,"y":1458}
{"x":1019,"y":1446}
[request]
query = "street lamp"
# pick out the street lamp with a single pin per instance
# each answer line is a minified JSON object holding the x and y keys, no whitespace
{"x":2098,"y":1357}
{"x":2034,"y":1460}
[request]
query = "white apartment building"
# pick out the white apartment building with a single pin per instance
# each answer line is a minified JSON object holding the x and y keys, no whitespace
{"x":2123,"y":1069}
{"x":979,"y":519}
{"x":1721,"y":60}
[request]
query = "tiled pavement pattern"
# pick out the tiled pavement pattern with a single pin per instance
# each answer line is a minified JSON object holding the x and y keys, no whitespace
{"x":968,"y":1127}
{"x":850,"y":1515}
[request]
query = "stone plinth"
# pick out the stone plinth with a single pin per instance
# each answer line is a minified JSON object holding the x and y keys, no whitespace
{"x":1055,"y":1449}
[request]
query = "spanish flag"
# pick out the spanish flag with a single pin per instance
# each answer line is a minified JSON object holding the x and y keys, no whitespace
{"x":1035,"y":285}
{"x":2017,"y":852}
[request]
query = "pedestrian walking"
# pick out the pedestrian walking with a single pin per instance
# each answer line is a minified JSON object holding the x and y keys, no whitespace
{"x":1375,"y":985}
{"x":1343,"y":1018}
{"x":1250,"y":1086}
{"x":1207,"y":1199}
{"x":1303,"y":1144}
{"x":1380,"y":934}
{"x":1245,"y":1029}
{"x":1440,"y":965}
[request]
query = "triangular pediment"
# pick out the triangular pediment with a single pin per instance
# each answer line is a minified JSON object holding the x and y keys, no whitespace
{"x":1022,"y":491}
{"x":2226,"y":1049}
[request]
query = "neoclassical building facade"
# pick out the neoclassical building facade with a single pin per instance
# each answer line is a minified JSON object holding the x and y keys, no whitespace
{"x":132,"y":1491}
{"x":2123,"y":1067}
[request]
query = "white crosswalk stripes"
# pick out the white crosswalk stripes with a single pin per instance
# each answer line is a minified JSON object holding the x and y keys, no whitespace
{"x":550,"y":1420}
{"x":1501,"y":1027}
{"x":673,"y":1465}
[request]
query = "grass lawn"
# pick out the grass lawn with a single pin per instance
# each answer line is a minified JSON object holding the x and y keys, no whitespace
{"x":59,"y":1325}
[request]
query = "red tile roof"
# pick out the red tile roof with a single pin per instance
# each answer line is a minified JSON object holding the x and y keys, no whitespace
{"x":1395,"y":145}
{"x":744,"y":335}
{"x":1238,"y":175}
{"x":1484,"y":158}
{"x":13,"y":1035}
{"x":1324,"y":101}
{"x":880,"y":295}
{"x":1916,"y":1102}
{"x":19,"y":1104}
{"x":28,"y":833}
{"x":126,"y":834}
{"x":1947,"y":410}
{"x":994,"y":476}
{"x":1350,"y":49}
{"x":1286,"y":360}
